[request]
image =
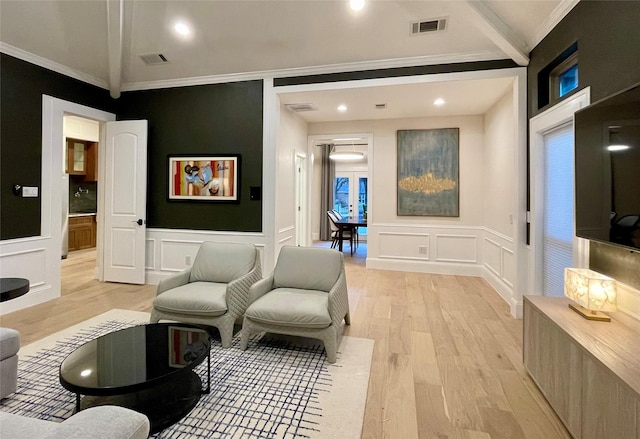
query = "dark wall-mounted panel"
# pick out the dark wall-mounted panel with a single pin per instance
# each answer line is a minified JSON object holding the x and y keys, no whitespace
{"x":21,"y":90}
{"x":204,"y":120}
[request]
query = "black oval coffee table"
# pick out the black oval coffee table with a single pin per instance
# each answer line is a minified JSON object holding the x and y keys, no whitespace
{"x":12,"y":287}
{"x":147,"y":368}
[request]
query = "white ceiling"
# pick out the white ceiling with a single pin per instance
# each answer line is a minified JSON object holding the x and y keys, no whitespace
{"x":100,"y":41}
{"x":407,"y":100}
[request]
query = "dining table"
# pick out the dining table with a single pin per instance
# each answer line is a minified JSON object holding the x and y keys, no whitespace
{"x":349,"y":223}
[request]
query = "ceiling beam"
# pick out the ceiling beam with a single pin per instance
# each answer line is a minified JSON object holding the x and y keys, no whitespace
{"x":115,"y":38}
{"x":498,"y":31}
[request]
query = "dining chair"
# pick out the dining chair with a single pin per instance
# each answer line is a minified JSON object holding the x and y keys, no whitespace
{"x":347,"y":233}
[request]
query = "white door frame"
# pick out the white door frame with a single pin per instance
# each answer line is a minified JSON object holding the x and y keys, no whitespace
{"x":53,"y":112}
{"x":541,"y":124}
{"x":302,"y":200}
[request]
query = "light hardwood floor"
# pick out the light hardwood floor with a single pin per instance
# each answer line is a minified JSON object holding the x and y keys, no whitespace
{"x":447,"y":360}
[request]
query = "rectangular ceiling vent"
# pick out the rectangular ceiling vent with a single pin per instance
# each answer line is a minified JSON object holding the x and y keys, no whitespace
{"x":427,"y":26}
{"x":154,"y":59}
{"x":301,"y":107}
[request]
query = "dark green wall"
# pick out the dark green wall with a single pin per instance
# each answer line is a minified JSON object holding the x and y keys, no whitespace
{"x":208,"y":119}
{"x":608,"y":37}
{"x":201,"y":120}
{"x":21,"y":88}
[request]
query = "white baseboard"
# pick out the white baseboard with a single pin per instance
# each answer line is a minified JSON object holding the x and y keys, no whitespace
{"x":153,"y":277}
{"x":34,"y":296}
{"x":425,"y":267}
{"x":505,"y":291}
{"x":517,"y":308}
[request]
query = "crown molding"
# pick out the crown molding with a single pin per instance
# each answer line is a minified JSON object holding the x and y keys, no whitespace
{"x":563,"y":8}
{"x":258,"y":75}
{"x":317,"y":70}
{"x":51,"y":65}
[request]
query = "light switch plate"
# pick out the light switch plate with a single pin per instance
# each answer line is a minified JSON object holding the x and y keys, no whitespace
{"x":29,"y":191}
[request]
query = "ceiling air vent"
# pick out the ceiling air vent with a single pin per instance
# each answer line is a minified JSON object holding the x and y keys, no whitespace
{"x":381,"y":106}
{"x":301,"y":107}
{"x":154,"y":58}
{"x":426,"y":26}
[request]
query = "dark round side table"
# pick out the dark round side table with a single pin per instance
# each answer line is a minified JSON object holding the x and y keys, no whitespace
{"x":13,"y":287}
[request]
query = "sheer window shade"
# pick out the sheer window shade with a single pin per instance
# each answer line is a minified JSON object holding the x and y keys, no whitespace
{"x":558,"y":208}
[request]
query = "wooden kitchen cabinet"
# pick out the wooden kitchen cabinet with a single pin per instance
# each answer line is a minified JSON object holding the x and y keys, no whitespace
{"x":82,"y":158}
{"x":82,"y":232}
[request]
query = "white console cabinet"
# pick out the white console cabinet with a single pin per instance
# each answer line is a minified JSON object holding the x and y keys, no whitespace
{"x":588,"y":371}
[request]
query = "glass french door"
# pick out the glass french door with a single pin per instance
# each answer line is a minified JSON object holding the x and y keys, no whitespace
{"x":350,"y":196}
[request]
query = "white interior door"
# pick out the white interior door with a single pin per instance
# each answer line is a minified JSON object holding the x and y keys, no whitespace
{"x":125,"y":201}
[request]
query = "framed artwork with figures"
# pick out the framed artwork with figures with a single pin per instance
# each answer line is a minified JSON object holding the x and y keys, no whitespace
{"x":204,"y":178}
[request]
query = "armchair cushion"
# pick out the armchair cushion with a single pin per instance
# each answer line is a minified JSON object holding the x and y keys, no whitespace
{"x":308,"y":269}
{"x":9,"y":342}
{"x":292,"y":307}
{"x":195,"y":298}
{"x":222,"y":262}
{"x":103,"y":422}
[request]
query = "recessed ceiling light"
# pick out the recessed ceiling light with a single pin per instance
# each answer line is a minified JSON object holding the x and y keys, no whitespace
{"x":182,"y":29}
{"x":438,"y":102}
{"x":356,"y":5}
{"x":342,"y":108}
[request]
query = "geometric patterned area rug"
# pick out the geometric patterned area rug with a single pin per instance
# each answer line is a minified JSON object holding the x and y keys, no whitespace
{"x":274,"y":389}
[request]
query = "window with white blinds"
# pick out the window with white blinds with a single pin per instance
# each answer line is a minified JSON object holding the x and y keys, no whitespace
{"x":558,"y":208}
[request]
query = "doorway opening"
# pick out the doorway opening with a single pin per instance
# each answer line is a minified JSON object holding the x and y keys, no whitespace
{"x":350,"y":196}
{"x":80,"y":181}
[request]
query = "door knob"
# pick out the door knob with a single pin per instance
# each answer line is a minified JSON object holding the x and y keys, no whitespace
{"x":139,"y":222}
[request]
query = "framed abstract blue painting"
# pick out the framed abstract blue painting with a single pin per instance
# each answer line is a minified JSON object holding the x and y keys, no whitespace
{"x":428,"y":172}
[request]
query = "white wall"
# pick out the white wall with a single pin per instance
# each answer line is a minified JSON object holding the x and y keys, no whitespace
{"x":482,"y":240}
{"x":499,"y":135}
{"x":451,"y":245}
{"x":499,"y":177}
{"x":291,"y":140}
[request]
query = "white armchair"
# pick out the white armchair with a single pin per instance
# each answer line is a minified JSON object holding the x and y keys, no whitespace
{"x":306,"y":295}
{"x":9,"y":346}
{"x":102,"y":422}
{"x":214,"y":291}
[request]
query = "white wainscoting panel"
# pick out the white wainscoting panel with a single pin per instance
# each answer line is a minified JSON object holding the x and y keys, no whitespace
{"x":29,"y":264}
{"x":508,"y":266}
{"x":500,"y":264}
{"x":403,"y":245}
{"x":286,"y":236}
{"x":32,"y":259}
{"x":150,"y":254}
{"x":172,"y":248}
{"x":177,"y":255}
{"x":456,"y":248}
{"x":414,"y":248}
{"x":492,"y":256}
